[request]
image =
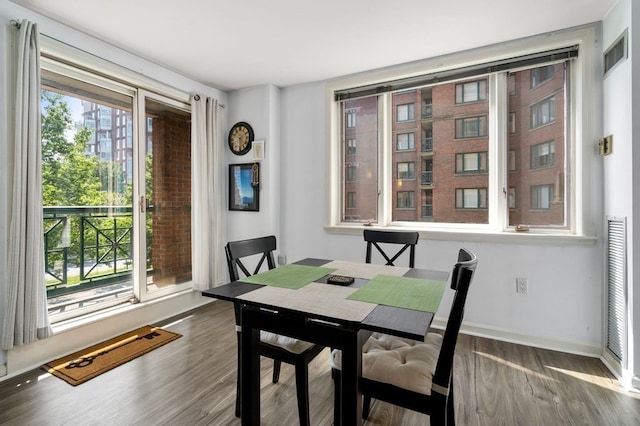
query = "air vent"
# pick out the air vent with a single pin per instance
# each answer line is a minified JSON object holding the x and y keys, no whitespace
{"x":615,"y":53}
{"x":617,"y":288}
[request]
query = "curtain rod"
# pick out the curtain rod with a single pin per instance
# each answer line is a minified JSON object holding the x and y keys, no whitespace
{"x":15,"y":23}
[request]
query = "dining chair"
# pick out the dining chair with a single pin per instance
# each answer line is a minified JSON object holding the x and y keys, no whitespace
{"x":277,"y":347}
{"x":407,"y":240}
{"x":411,"y":374}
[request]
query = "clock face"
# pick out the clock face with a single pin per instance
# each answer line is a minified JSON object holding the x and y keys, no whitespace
{"x":240,"y":138}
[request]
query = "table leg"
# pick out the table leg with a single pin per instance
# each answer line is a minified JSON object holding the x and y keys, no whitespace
{"x":250,"y":364}
{"x":351,"y":398}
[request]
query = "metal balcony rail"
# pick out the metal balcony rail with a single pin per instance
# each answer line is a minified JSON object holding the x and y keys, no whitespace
{"x":427,"y":110}
{"x":87,"y":247}
{"x":427,"y":145}
{"x":427,"y":210}
{"x":427,"y":177}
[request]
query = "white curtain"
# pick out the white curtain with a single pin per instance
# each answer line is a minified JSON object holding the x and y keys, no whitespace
{"x":206,"y":160}
{"x":25,"y":311}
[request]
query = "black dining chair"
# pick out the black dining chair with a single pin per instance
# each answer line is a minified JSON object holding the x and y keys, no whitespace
{"x":380,"y":239}
{"x":277,"y":347}
{"x":425,"y":384}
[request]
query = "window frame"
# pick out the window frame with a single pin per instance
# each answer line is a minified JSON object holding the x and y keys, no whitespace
{"x":583,"y":96}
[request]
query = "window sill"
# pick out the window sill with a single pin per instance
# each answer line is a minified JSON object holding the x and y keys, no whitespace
{"x":474,"y":235}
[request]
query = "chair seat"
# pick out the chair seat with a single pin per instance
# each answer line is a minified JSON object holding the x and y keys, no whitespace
{"x":404,"y":363}
{"x":288,"y":343}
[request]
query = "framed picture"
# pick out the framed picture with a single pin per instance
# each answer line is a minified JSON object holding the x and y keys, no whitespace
{"x":244,"y":187}
{"x":258,"y":150}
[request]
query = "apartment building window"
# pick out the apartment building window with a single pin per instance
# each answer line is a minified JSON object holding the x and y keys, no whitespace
{"x":406,"y":200}
{"x":459,"y":137}
{"x":351,"y":200}
{"x":351,"y":172}
{"x":406,"y":112}
{"x":351,"y":146}
{"x":406,"y":141}
{"x":406,"y":171}
{"x":471,"y":198}
{"x":471,"y":162}
{"x":543,"y":112}
{"x":541,"y":197}
{"x":471,"y":127}
{"x":543,"y":155}
{"x":540,"y":75}
{"x":350,"y":118}
{"x":472,"y":91}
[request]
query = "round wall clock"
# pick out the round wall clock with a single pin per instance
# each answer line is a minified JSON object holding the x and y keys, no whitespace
{"x":240,"y":138}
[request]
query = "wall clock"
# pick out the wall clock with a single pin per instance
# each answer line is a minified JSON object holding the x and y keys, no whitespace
{"x":240,"y":138}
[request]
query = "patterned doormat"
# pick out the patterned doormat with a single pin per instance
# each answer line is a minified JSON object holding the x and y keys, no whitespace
{"x":88,"y":363}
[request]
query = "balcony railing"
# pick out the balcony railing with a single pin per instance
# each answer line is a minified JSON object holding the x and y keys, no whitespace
{"x":427,"y":177}
{"x":427,"y":145}
{"x":87,"y":247}
{"x":427,"y":211}
{"x":427,"y":110}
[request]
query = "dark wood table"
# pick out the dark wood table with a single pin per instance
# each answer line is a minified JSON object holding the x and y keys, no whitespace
{"x":319,"y":313}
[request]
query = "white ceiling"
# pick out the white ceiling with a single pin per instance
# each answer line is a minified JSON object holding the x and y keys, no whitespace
{"x":232,"y":44}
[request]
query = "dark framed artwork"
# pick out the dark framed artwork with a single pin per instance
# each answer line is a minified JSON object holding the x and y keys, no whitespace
{"x":244,"y":187}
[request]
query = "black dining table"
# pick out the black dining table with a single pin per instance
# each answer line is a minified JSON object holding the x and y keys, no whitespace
{"x":298,"y":300}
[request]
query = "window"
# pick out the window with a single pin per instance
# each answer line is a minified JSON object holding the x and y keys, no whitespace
{"x":351,"y":146}
{"x":472,"y":162}
{"x":406,"y":171}
{"x":541,"y":197}
{"x":406,"y":112}
{"x":542,"y":74}
{"x":471,"y":198}
{"x":473,"y":120}
{"x":95,"y":236}
{"x":543,"y":112}
{"x":512,"y":198}
{"x":351,"y":200}
{"x":406,"y":200}
{"x":471,"y":127}
{"x":471,"y":92}
{"x":351,"y":118}
{"x":351,"y":172}
{"x":542,"y":155}
{"x":405,"y":141}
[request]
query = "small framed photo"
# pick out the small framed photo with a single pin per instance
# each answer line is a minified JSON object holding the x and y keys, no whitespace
{"x":258,"y":150}
{"x":244,"y":187}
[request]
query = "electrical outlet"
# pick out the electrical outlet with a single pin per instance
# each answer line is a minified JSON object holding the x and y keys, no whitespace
{"x":282,"y":259}
{"x":521,"y":285}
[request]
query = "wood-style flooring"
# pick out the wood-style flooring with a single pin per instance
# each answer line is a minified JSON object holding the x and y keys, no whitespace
{"x":192,"y":381}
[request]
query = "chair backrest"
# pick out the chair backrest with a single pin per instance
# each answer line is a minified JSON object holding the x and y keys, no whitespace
{"x":460,"y":281}
{"x":236,"y":250}
{"x":408,"y":240}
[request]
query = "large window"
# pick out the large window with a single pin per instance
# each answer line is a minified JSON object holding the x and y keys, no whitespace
{"x":525,"y":132}
{"x":116,"y":173}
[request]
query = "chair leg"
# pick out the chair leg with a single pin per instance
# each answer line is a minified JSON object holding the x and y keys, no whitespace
{"x":336,"y":376}
{"x":302,"y":389}
{"x":276,"y":371}
{"x":451,"y":419}
{"x":366,"y":406}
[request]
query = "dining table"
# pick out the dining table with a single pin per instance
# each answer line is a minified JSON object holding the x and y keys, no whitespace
{"x":334,"y":303}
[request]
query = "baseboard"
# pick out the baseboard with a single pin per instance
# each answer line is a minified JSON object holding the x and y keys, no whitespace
{"x":525,"y":339}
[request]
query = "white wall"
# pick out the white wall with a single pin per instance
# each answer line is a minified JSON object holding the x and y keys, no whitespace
{"x":621,"y":190}
{"x":563,"y":309}
{"x":258,"y":106}
{"x":29,"y":356}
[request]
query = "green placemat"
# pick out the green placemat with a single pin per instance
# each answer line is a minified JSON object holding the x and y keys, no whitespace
{"x":289,"y":276}
{"x":402,"y":292}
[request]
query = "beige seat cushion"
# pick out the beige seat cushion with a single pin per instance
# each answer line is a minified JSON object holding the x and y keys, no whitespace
{"x":405,"y":363}
{"x":289,"y":343}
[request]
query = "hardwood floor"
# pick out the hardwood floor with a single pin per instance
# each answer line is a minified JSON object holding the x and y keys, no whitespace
{"x":191,"y":381}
